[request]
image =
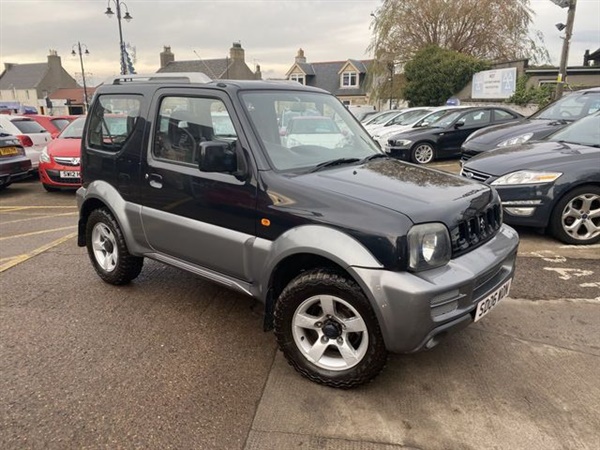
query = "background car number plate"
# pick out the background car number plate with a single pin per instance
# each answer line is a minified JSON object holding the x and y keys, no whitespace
{"x":8,"y":151}
{"x":488,"y":303}
{"x":69,"y":174}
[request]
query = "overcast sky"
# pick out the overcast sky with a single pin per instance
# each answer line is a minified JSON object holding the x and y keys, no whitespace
{"x":271,"y":31}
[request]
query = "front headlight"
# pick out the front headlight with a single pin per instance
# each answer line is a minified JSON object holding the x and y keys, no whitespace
{"x":526,"y":177}
{"x":400,"y":142}
{"x":516,"y":140}
{"x":44,"y":156}
{"x":428,"y":246}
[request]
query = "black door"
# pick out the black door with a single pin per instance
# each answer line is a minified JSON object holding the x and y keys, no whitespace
{"x":197,"y":217}
{"x":467,"y":123}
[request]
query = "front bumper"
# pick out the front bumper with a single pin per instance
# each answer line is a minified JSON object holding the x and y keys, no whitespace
{"x":16,"y":169}
{"x":398,"y":153}
{"x":527,"y":205}
{"x":50,"y":174}
{"x":415,"y":310}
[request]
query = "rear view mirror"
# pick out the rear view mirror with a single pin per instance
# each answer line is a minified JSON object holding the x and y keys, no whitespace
{"x":459,"y":124}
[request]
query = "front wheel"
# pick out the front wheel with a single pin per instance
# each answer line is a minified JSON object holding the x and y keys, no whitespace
{"x":422,"y":153}
{"x":108,"y":251}
{"x":576,"y":217}
{"x":328,"y":331}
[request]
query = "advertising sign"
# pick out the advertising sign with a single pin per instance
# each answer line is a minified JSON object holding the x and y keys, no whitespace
{"x":494,"y":84}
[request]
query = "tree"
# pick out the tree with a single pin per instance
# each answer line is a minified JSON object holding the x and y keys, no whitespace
{"x":485,"y":29}
{"x":435,"y":74}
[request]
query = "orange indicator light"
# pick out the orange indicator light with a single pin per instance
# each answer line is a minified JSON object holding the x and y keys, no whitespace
{"x":265,"y":222}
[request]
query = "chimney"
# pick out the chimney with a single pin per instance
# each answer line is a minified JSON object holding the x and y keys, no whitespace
{"x":586,"y":58}
{"x":300,"y":59}
{"x":258,"y":73}
{"x":166,"y":56}
{"x":8,"y":66}
{"x":54,"y":60}
{"x":236,"y":52}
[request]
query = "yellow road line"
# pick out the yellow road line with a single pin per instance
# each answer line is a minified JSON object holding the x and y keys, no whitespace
{"x":36,"y":207}
{"x":22,"y":258}
{"x":40,"y":217}
{"x":37,"y":232}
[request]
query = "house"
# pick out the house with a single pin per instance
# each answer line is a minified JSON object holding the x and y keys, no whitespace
{"x":29,"y":85}
{"x":347,"y":80}
{"x":70,"y":101}
{"x":233,"y":67}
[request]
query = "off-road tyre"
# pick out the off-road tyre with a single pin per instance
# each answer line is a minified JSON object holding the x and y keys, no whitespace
{"x":329,"y":283}
{"x":113,"y":263}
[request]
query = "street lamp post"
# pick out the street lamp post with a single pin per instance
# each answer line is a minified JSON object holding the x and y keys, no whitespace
{"x":86,"y":52}
{"x":109,"y":12}
{"x":391,"y":69}
{"x":562,"y":71}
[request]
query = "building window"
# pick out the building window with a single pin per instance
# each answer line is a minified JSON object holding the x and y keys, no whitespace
{"x":297,"y":77}
{"x":349,"y":79}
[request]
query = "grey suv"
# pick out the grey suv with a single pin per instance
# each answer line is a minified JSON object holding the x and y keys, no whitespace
{"x":354,"y":254}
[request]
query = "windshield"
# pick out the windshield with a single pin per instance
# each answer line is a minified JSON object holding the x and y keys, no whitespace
{"x":409,"y":117}
{"x":383,"y":118}
{"x":571,"y":107}
{"x":585,"y":132}
{"x":430,"y":118}
{"x":60,"y":123}
{"x":74,"y":130}
{"x":321,"y":129}
{"x":28,"y":126}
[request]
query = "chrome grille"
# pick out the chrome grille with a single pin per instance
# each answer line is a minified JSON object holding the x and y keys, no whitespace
{"x":476,"y":230}
{"x":474,"y":174}
{"x":67,"y":161}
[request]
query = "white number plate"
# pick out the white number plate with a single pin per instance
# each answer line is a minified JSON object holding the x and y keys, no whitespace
{"x":69,"y":174}
{"x":488,"y":303}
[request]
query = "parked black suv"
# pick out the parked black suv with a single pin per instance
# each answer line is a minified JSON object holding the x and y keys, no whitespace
{"x":539,"y":125}
{"x":353,"y":253}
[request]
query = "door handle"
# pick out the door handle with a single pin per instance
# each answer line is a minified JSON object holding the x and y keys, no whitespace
{"x":154,"y":180}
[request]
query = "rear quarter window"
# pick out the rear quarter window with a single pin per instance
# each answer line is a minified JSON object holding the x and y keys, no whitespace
{"x":112,"y":121}
{"x":28,"y":126}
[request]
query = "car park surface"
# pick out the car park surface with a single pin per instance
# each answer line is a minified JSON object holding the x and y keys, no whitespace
{"x":175,"y":361}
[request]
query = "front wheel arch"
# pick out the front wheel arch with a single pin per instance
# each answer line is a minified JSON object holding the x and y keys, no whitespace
{"x":556,"y":220}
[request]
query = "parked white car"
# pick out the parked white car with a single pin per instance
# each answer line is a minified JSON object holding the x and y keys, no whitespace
{"x":32,"y":135}
{"x":313,"y":130}
{"x":406,"y":116}
{"x":415,"y":121}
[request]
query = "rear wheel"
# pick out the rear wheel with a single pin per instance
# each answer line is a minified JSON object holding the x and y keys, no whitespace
{"x":576,"y":217}
{"x":327,"y":330}
{"x":108,"y":251}
{"x":422,"y":153}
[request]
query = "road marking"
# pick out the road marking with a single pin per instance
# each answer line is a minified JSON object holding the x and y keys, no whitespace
{"x":547,"y":256}
{"x":40,"y":217}
{"x":592,"y":285}
{"x":22,"y":258}
{"x":36,"y":207}
{"x":567,"y":274}
{"x":583,"y":247}
{"x":37,"y":232}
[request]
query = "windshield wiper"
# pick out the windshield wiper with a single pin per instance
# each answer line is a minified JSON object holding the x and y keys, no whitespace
{"x":559,"y":122}
{"x":334,"y":162}
{"x":375,"y":156}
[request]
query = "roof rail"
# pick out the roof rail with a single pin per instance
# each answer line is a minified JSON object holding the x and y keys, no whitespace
{"x":175,"y":77}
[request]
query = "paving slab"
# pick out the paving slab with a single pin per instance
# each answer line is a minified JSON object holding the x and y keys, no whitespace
{"x":493,"y":386}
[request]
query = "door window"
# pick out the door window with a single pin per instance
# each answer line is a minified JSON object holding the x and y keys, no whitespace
{"x":501,"y":115}
{"x":476,"y":118}
{"x":186,"y":122}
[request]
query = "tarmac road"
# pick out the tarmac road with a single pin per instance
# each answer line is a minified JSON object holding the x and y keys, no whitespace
{"x":172,"y":361}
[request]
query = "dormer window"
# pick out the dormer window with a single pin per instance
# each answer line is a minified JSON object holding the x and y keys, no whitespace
{"x":349,"y":80}
{"x":299,"y":77}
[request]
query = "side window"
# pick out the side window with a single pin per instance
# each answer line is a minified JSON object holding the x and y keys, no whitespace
{"x":112,"y":121}
{"x":476,"y":118}
{"x":500,"y":115}
{"x":185,"y":122}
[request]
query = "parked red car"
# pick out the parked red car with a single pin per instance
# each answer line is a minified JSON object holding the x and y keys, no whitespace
{"x":54,"y":124}
{"x":59,"y":161}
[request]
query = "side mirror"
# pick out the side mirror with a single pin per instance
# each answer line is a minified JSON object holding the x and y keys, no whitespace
{"x":459,"y":124}
{"x":283,"y":131}
{"x":217,"y":157}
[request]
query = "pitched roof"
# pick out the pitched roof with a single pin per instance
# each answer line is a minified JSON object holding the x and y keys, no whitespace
{"x":327,"y":76}
{"x":214,"y":68}
{"x":23,"y":76}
